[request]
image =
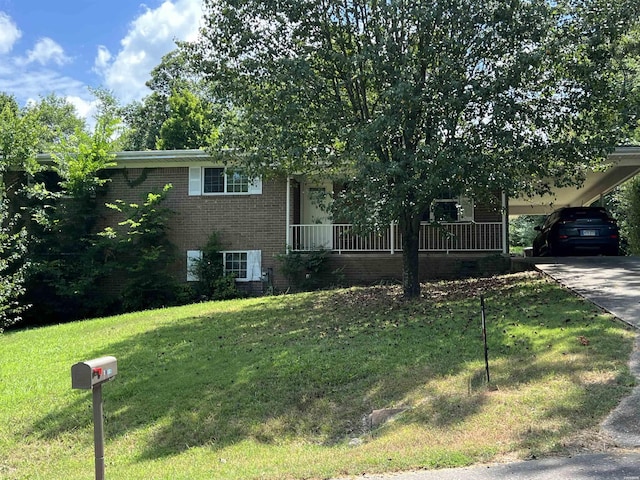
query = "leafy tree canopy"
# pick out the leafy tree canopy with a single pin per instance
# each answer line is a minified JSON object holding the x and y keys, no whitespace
{"x":177,"y":114}
{"x":188,"y":125}
{"x":403,"y":99}
{"x":20,"y":132}
{"x":58,"y":119}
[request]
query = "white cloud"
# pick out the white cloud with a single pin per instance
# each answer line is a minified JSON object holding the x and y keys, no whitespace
{"x":9,"y":33}
{"x":102,"y":59}
{"x":151,"y":36}
{"x":34,"y":83}
{"x":84,"y":108}
{"x":47,"y":51}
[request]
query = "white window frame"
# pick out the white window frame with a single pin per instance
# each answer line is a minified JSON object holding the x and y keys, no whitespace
{"x":196,"y":182}
{"x":193,"y":257}
{"x":464,"y":207}
{"x":254,"y":264}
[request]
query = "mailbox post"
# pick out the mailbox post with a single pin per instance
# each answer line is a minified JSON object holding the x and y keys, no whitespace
{"x":91,"y":375}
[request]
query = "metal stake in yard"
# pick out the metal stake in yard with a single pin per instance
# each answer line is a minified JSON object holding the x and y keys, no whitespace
{"x":484,"y":339}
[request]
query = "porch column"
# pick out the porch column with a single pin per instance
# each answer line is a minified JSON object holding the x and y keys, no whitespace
{"x":392,"y":237}
{"x":288,"y":215}
{"x":505,"y":224}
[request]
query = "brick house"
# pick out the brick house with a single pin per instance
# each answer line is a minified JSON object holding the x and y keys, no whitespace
{"x":258,"y":220}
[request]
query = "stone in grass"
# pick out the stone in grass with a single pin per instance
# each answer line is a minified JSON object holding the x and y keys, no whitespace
{"x":383,"y":415}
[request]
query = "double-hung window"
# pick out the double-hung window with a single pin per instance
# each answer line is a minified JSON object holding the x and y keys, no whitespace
{"x":213,"y":180}
{"x":221,"y":181}
{"x":449,"y":209}
{"x":235,"y":263}
{"x":244,"y":265}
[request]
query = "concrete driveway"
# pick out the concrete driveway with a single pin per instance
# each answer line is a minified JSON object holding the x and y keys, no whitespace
{"x":612,"y":283}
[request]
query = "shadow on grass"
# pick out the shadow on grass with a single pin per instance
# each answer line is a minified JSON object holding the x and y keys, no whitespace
{"x":309,"y":367}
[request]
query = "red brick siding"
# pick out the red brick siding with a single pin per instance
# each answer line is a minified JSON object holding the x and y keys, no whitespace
{"x":243,"y":222}
{"x":366,"y":269}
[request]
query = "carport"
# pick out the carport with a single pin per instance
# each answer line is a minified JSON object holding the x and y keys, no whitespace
{"x":622,"y":164}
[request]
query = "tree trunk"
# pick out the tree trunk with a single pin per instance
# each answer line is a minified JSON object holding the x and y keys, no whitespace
{"x":410,"y":230}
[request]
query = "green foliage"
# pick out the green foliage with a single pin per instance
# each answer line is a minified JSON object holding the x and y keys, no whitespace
{"x":305,"y":271}
{"x":142,"y":252}
{"x":212,"y":283}
{"x":629,"y":78}
{"x":632,"y":220}
{"x":19,"y":137}
{"x":68,"y":260}
{"x":188,"y":123}
{"x":19,"y":134}
{"x":59,"y":121}
{"x":521,"y":229}
{"x":143,"y":120}
{"x":177,"y":114}
{"x":13,"y":246}
{"x":624,"y":204}
{"x":403,"y":99}
{"x":81,"y":159}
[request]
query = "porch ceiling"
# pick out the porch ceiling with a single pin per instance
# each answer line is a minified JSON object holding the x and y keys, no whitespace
{"x":624,"y":164}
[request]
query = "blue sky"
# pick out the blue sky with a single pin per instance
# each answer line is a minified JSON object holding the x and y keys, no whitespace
{"x":66,"y":46}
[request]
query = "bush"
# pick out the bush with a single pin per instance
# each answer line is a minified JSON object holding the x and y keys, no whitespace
{"x":67,"y":259}
{"x":305,"y":271}
{"x":142,"y":253}
{"x":13,"y":245}
{"x":212,"y":283}
{"x":521,"y":230}
{"x":631,"y":193}
{"x":624,"y":204}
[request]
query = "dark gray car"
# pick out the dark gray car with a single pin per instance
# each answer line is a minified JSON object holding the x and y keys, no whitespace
{"x":577,"y":231}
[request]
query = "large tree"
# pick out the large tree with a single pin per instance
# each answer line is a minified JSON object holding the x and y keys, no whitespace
{"x":19,"y":136}
{"x":68,"y":261}
{"x":407,"y":99}
{"x":188,"y":125}
{"x":58,"y":120}
{"x":177,"y":113}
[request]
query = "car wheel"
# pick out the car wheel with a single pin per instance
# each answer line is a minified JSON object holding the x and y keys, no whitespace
{"x":554,"y":250}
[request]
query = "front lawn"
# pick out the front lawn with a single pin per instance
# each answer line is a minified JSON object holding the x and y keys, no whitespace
{"x":279,"y":387}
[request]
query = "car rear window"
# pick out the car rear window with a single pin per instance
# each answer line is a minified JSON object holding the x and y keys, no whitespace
{"x":581,"y":214}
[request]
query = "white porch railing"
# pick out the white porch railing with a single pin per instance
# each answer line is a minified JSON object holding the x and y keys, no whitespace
{"x":448,"y":237}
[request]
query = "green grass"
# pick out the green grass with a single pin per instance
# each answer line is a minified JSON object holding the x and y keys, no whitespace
{"x":276,"y":387}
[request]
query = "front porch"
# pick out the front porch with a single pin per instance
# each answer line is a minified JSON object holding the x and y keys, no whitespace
{"x":468,"y":227}
{"x":487,"y":237}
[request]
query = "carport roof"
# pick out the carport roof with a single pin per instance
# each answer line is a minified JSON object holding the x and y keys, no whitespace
{"x":624,"y":163}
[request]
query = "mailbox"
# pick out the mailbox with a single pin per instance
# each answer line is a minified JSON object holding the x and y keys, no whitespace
{"x":87,"y":374}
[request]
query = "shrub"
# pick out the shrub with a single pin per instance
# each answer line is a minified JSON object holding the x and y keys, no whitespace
{"x":305,"y":271}
{"x":13,"y":245}
{"x":142,"y":252}
{"x":212,"y":283}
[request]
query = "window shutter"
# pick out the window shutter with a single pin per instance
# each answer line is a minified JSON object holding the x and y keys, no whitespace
{"x":255,"y":186}
{"x":192,"y":258}
{"x":195,"y":181}
{"x":254,"y":265}
{"x":466,"y":210}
